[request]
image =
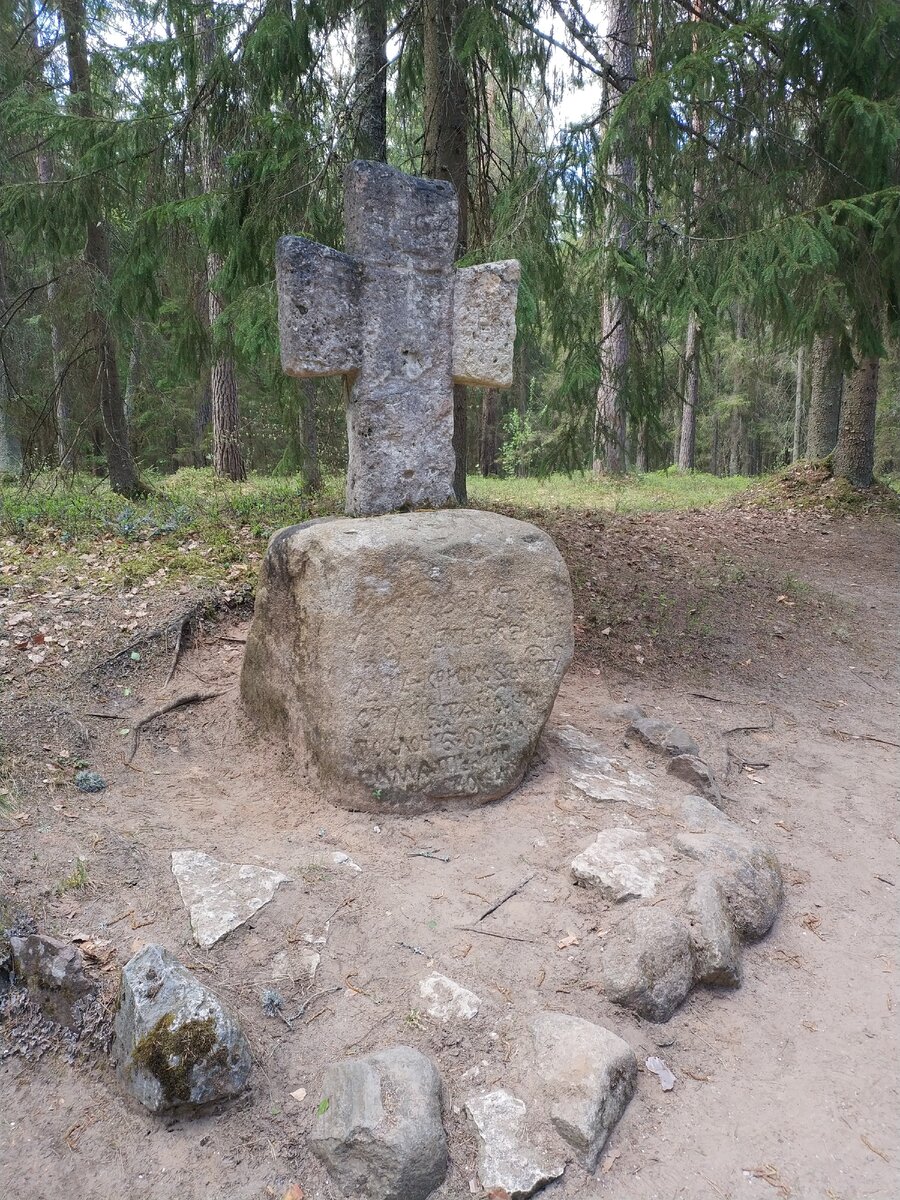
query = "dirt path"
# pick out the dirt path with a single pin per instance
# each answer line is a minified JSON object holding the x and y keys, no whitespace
{"x":786,"y":1087}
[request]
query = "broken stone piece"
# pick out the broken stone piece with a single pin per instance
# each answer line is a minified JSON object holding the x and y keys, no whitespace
{"x":717,"y":947}
{"x":648,"y":963}
{"x":510,"y":1160}
{"x":175,"y":1044}
{"x":380,"y":1135}
{"x":664,"y":736}
{"x":415,"y":657}
{"x":621,"y":864}
{"x":586,"y":1075}
{"x":696,"y":773}
{"x":221,"y":896}
{"x":53,"y":972}
{"x":447,"y":1000}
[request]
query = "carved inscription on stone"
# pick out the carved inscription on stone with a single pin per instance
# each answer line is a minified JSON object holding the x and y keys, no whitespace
{"x":415,"y":656}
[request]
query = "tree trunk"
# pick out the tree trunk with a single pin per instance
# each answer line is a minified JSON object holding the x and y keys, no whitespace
{"x":10,"y":450}
{"x":132,"y":386}
{"x":854,"y":454}
{"x":371,"y":80}
{"x":734,"y":444}
{"x":688,"y":443}
{"x":642,"y":457}
{"x":447,"y":157}
{"x":123,"y":476}
{"x":489,"y":443}
{"x":615,"y":331}
{"x":227,"y":458}
{"x":798,"y":407}
{"x":824,"y":400}
{"x":309,"y":437}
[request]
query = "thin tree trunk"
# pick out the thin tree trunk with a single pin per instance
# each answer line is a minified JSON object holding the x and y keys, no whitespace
{"x":734,"y":443}
{"x":309,"y":436}
{"x":123,"y":476}
{"x":371,"y":80}
{"x":489,"y":442}
{"x":10,"y":450}
{"x":714,"y":448}
{"x":447,"y":157}
{"x":132,"y":386}
{"x":798,"y":406}
{"x":688,"y":443}
{"x":227,"y":458}
{"x":854,"y":454}
{"x":825,"y":399}
{"x":615,"y":328}
{"x":642,"y":457}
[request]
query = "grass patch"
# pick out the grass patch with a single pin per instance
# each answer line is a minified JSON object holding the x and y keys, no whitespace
{"x":659,"y":491}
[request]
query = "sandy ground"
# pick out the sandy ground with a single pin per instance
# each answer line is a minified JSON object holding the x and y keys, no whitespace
{"x":786,"y":1087}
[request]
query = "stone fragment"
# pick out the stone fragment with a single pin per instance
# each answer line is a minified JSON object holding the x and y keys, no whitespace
{"x":659,"y":1068}
{"x":53,"y":972}
{"x":586,"y":1076}
{"x":717,"y":948}
{"x":175,"y":1044}
{"x":510,"y":1160}
{"x":609,"y":780}
{"x":694,"y":771}
{"x":663,"y":736}
{"x":221,"y":896}
{"x":622,"y":864}
{"x":380,"y":1135}
{"x":484,"y":323}
{"x":415,"y":656}
{"x":447,"y":1000}
{"x":648,"y":963}
{"x":748,"y":873}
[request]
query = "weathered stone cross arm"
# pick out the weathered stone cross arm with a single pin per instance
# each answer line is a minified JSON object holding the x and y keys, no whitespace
{"x":403,"y":324}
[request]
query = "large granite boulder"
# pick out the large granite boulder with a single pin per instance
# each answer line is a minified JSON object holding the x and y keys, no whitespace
{"x":414,"y":657}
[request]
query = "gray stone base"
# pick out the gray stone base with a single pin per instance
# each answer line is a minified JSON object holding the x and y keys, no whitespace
{"x":414,"y":658}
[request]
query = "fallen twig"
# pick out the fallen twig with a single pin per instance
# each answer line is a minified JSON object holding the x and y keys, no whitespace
{"x":507,"y":937}
{"x":429,"y":854}
{"x":503,"y":899}
{"x":177,"y":655}
{"x":865,"y":737}
{"x":190,"y":698}
{"x":289,"y":1021}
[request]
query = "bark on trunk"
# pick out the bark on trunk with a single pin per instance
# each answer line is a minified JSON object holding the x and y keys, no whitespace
{"x":854,"y":455}
{"x":714,"y":448}
{"x":824,"y":400}
{"x":615,"y":331}
{"x":489,"y":443}
{"x":309,"y":436}
{"x":688,"y":443}
{"x":10,"y":450}
{"x":371,"y":80}
{"x":447,"y":157}
{"x":798,"y":407}
{"x":642,"y":457}
{"x":227,"y":457}
{"x":123,"y":476}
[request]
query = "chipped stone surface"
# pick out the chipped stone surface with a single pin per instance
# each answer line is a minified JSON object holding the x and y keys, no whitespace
{"x":447,"y":1000}
{"x":394,"y":316}
{"x":663,"y":736}
{"x":416,"y":657}
{"x":381,"y":1136}
{"x":609,"y":780}
{"x":221,"y":896}
{"x":586,"y":1077}
{"x":53,"y":972}
{"x":484,"y":323}
{"x":622,"y":864}
{"x":510,"y":1159}
{"x":175,"y":1044}
{"x":648,"y":963}
{"x":717,"y":948}
{"x":695,"y":772}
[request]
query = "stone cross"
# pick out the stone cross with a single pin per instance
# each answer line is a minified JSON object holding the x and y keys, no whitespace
{"x":394,"y":316}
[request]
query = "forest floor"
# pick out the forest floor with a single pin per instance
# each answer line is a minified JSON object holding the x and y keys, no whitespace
{"x":768,"y":630}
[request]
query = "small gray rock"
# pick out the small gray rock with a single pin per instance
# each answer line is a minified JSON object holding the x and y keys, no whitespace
{"x":586,"y":1075}
{"x":175,"y":1044}
{"x":53,"y":971}
{"x":694,"y":771}
{"x":717,"y":948}
{"x":510,"y":1160}
{"x":621,"y":863}
{"x":381,"y":1136}
{"x":648,"y":965}
{"x":626,"y":712}
{"x":663,"y":736}
{"x":749,"y":876}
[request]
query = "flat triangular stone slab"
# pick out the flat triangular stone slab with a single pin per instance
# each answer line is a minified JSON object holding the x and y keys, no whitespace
{"x":221,"y":896}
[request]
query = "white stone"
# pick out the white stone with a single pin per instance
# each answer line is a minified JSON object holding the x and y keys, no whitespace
{"x":447,"y":1000}
{"x":342,"y":859}
{"x":221,"y":896}
{"x":610,"y":780}
{"x":509,"y":1159}
{"x":622,"y":864}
